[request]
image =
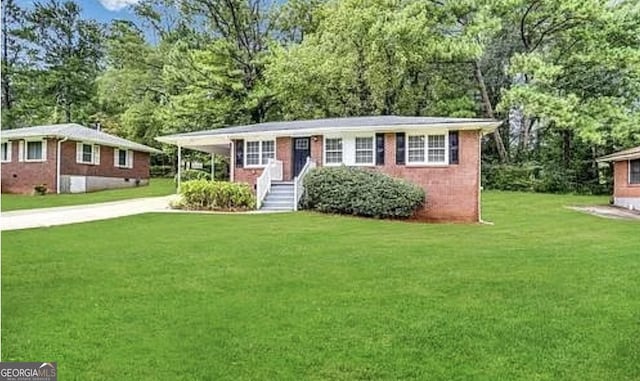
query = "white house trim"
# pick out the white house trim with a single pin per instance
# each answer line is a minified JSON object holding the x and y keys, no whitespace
{"x":95,"y":153}
{"x":426,"y":162}
{"x":25,"y":150}
{"x":8,"y":152}
{"x":260,"y":142}
{"x":128,"y":158}
{"x":349,"y":149}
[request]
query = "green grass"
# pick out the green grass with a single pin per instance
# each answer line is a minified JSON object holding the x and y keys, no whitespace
{"x":156,"y":187}
{"x":545,"y":294}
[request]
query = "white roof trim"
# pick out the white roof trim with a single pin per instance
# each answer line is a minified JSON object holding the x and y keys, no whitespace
{"x":184,"y":140}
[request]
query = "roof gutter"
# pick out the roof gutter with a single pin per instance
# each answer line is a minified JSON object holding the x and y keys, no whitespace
{"x":630,"y":156}
{"x":222,"y":138}
{"x":58,"y":163}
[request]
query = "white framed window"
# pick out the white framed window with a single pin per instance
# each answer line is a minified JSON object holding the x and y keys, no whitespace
{"x":258,"y":152}
{"x":268,"y":151}
{"x":35,"y":150}
{"x":122,"y":158}
{"x":415,"y":149}
{"x":87,"y":153}
{"x":6,"y":152}
{"x":427,"y":149}
{"x":364,"y":150}
{"x":634,"y":172}
{"x":437,"y":149}
{"x":333,"y":151}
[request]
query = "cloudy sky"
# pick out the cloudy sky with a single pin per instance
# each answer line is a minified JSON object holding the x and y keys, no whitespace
{"x":101,"y":10}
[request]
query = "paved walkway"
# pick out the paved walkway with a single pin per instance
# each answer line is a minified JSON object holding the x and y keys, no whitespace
{"x":36,"y":218}
{"x":609,"y":212}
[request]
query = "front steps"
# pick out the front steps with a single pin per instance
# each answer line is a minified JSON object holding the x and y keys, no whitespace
{"x":280,"y":197}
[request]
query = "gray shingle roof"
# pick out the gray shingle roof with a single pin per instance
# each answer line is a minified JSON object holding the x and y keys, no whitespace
{"x":337,"y":123}
{"x":628,"y":154}
{"x":77,"y":132}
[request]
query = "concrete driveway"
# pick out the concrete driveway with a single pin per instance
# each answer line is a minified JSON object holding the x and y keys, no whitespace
{"x":36,"y":218}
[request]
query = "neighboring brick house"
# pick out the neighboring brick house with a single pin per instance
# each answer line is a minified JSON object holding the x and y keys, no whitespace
{"x":70,"y":158}
{"x":440,"y":154}
{"x":626,"y":177}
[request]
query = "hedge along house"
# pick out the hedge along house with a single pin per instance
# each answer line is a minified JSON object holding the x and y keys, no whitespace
{"x":440,"y":154}
{"x":626,"y":177}
{"x":70,"y":158}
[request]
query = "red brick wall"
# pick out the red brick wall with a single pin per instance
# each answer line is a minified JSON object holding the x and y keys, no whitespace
{"x":316,"y":149}
{"x":106,"y":168}
{"x":22,"y":176}
{"x":284,"y":152}
{"x":621,"y":186}
{"x":452,"y":190}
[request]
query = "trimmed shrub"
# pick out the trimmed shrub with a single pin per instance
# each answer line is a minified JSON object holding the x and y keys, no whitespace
{"x":193,"y":174}
{"x":161,"y":171}
{"x":360,"y":192}
{"x":218,"y":195}
{"x":511,"y":177}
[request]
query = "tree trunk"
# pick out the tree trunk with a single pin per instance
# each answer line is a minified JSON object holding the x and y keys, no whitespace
{"x":488,"y":110}
{"x":6,"y":80}
{"x":567,"y":141}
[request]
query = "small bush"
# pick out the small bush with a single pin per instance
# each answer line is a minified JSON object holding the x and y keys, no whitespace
{"x":361,"y":192}
{"x":218,"y":195}
{"x":161,"y":171}
{"x":40,"y":189}
{"x":193,"y":174}
{"x":511,"y":177}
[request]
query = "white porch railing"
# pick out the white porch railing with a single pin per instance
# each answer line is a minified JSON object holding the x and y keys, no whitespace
{"x":272,"y":172}
{"x":298,"y":182}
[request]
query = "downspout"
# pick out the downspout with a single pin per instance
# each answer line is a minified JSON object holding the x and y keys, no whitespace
{"x":58,"y":163}
{"x":480,"y":220}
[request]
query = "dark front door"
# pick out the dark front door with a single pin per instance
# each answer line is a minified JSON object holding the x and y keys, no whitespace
{"x":301,"y":150}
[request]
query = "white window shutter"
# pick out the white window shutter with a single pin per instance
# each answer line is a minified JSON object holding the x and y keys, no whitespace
{"x":21,"y":150}
{"x":9,"y":150}
{"x":78,"y":152}
{"x":96,"y":154}
{"x":116,"y":156}
{"x":130,"y":158}
{"x":44,"y":149}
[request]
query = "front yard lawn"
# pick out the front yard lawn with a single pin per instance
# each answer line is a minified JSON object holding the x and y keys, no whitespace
{"x":156,"y":187}
{"x":546,"y":293}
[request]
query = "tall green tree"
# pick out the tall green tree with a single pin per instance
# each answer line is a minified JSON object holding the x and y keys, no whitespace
{"x":13,"y":64}
{"x":68,"y":55}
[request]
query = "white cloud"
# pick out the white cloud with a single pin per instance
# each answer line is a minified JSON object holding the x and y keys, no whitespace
{"x":116,"y":5}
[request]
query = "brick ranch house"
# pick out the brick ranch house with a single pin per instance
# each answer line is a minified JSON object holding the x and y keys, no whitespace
{"x":626,"y":177}
{"x":440,"y":154}
{"x":70,"y":158}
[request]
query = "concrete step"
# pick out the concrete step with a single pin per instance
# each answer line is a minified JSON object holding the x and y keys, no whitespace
{"x":277,"y":204}
{"x":279,"y":197}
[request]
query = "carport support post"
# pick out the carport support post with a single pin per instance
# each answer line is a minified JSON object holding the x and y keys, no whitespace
{"x":213,"y":167}
{"x":179,"y":167}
